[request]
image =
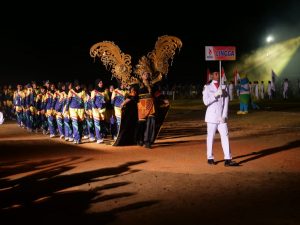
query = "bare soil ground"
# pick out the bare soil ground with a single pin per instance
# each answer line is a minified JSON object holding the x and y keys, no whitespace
{"x":49,"y":181}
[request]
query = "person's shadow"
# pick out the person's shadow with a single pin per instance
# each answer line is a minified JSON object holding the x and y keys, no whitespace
{"x":268,"y":151}
{"x":44,"y":197}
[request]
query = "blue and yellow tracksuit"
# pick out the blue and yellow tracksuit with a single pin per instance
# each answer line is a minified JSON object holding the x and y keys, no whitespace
{"x":98,"y":108}
{"x":117,"y":98}
{"x":30,"y":109}
{"x":41,"y":120}
{"x":48,"y":102}
{"x":58,"y":105}
{"x":89,"y":117}
{"x":18,"y":101}
{"x":67,"y":120}
{"x":75,"y":105}
{"x":8,"y":103}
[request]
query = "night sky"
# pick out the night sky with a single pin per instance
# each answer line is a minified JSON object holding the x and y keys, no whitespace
{"x":39,"y":45}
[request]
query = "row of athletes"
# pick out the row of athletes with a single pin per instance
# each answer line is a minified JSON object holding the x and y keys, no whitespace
{"x":70,"y":110}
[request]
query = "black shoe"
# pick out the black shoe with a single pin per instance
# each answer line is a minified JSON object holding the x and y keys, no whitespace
{"x":140,"y":143}
{"x":229,"y":162}
{"x":147,"y":145}
{"x":211,"y":162}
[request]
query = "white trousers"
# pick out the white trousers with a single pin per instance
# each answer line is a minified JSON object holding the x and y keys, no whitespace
{"x":1,"y":118}
{"x":211,"y":131}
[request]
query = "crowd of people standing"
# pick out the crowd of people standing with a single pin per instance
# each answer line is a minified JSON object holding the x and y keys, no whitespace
{"x":71,"y":111}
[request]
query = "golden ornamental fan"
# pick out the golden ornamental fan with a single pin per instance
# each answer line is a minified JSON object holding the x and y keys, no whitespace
{"x":114,"y":60}
{"x":156,"y":63}
{"x":165,"y":48}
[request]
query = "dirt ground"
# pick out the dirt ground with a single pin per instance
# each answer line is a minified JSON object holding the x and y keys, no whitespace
{"x":49,"y":181}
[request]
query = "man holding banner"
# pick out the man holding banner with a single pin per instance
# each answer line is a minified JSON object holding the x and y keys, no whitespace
{"x":215,"y":97}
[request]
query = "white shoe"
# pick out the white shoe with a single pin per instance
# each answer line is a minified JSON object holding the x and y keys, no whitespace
{"x":71,"y":139}
{"x":85,"y":137}
{"x":77,"y":142}
{"x":61,"y":136}
{"x":92,"y":139}
{"x":100,"y":141}
{"x":66,"y":138}
{"x":52,"y":135}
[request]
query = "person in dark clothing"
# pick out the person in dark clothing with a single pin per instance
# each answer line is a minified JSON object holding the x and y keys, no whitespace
{"x":146,"y":113}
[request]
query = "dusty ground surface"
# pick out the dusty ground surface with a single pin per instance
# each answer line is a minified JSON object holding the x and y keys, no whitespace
{"x":49,"y":181}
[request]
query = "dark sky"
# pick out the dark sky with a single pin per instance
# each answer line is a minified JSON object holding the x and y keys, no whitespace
{"x":54,"y":45}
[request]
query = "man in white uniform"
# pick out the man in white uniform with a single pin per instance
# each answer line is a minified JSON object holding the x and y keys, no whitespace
{"x":215,"y":97}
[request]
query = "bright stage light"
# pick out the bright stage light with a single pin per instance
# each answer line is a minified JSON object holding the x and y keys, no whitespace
{"x":270,"y":39}
{"x":258,"y":64}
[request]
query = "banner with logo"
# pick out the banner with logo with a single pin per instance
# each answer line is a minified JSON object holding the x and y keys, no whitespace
{"x":220,"y":53}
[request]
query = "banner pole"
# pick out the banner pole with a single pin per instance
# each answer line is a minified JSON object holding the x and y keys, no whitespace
{"x":220,"y":71}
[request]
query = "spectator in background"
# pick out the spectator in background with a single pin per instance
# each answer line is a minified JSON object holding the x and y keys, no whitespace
{"x":269,"y":89}
{"x":285,"y":88}
{"x":256,"y":89}
{"x":262,"y":90}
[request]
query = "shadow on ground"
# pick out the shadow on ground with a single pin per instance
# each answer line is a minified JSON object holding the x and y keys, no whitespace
{"x":42,"y":198}
{"x":269,"y":151}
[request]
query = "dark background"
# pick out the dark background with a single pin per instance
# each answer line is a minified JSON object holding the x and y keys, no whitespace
{"x":52,"y":42}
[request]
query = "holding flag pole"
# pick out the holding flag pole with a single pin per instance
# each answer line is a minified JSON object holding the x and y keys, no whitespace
{"x":220,"y":71}
{"x":216,"y":99}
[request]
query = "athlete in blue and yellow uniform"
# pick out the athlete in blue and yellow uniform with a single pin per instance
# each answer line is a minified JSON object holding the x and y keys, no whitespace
{"x":41,"y":120}
{"x":117,"y":99}
{"x":89,"y":116}
{"x":58,"y":105}
{"x":36,"y":91}
{"x":9,"y":102}
{"x":30,"y":107}
{"x":66,"y":115}
{"x":75,"y":103}
{"x":18,"y":101}
{"x":49,"y":98}
{"x":99,"y":108}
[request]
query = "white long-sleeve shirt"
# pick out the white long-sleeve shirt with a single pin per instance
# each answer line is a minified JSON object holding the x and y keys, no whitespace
{"x":217,"y":108}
